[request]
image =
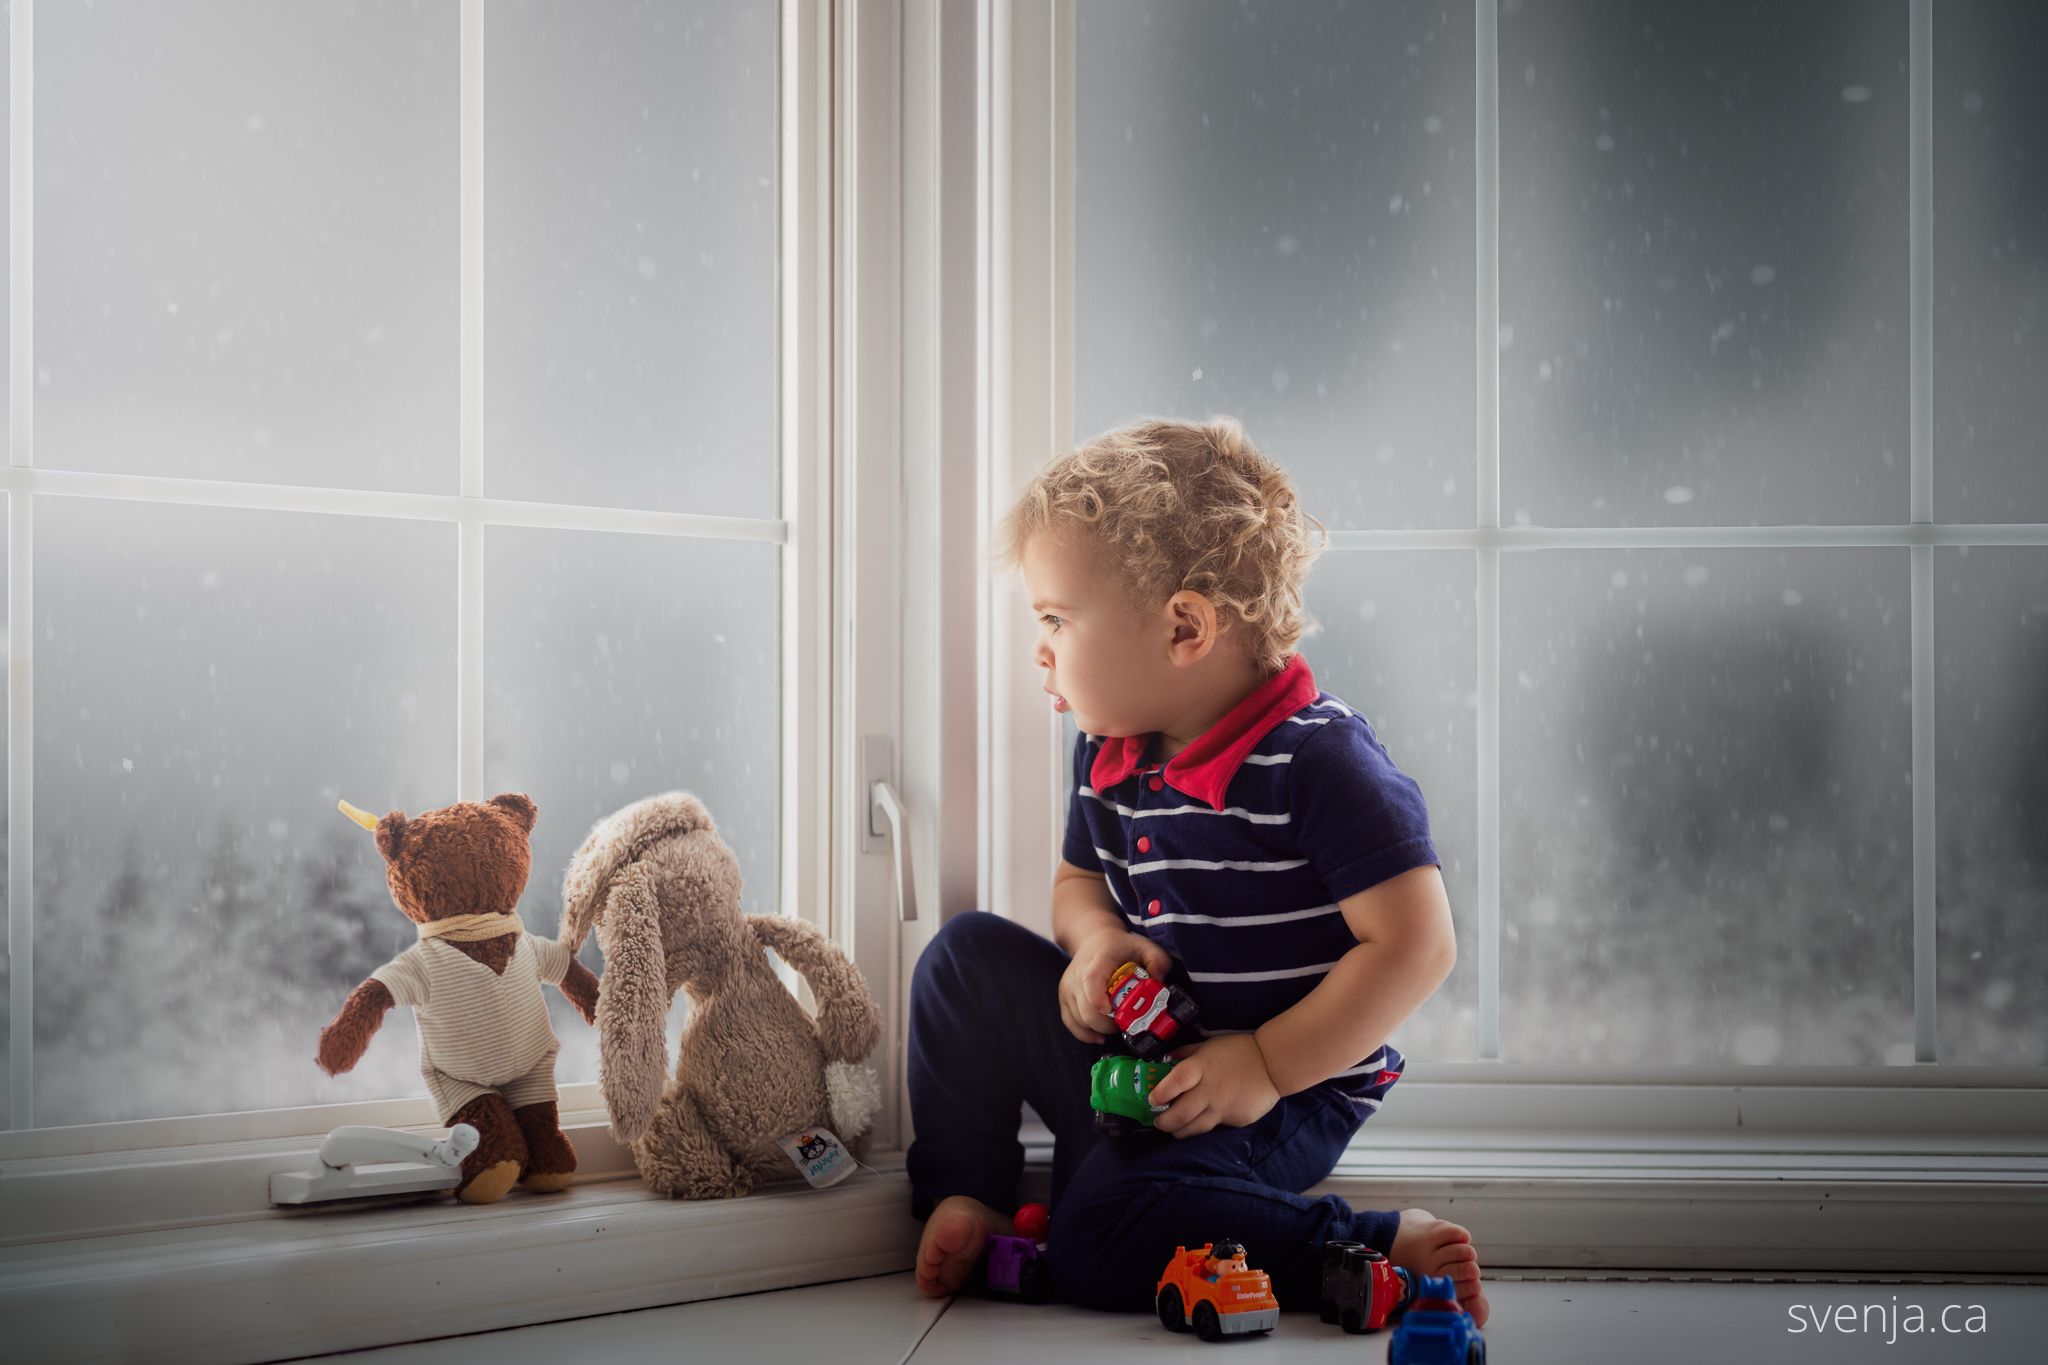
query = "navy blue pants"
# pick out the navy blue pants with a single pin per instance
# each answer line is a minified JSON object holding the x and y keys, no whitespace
{"x":986,"y":1038}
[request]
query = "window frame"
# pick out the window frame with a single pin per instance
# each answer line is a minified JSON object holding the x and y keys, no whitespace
{"x":1032,"y":246}
{"x":817,"y":880}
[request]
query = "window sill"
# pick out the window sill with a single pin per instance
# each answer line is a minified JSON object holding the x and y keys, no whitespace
{"x":170,"y":1254}
{"x":243,"y":1284}
{"x":1705,"y":1200}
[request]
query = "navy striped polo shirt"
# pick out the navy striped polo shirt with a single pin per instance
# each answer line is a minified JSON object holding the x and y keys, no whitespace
{"x":1234,"y":854}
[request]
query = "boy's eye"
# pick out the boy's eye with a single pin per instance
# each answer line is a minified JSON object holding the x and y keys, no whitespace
{"x":1052,"y":621}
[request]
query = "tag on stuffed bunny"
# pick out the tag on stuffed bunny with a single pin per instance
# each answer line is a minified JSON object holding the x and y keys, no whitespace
{"x":820,"y":1155}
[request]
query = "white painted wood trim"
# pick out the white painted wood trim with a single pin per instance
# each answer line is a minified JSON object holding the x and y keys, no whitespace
{"x":804,"y":406}
{"x":299,"y":1284}
{"x":1028,"y":209}
{"x":1705,"y":1201}
{"x":943,"y":541}
{"x":868,"y":518}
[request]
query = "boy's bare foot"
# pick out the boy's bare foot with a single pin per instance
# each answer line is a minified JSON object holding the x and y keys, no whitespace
{"x":1428,"y":1245}
{"x":953,"y":1238}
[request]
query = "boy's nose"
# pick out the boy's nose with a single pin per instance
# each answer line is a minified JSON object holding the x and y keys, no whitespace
{"x":1043,"y":654}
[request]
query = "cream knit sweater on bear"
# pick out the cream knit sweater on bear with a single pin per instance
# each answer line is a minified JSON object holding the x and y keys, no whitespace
{"x":480,"y":1030}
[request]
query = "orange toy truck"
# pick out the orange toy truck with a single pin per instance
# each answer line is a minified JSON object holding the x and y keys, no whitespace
{"x":1212,"y":1288}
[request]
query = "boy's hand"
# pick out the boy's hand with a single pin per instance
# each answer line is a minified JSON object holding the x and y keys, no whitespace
{"x":1084,"y":1002}
{"x":1218,"y":1082}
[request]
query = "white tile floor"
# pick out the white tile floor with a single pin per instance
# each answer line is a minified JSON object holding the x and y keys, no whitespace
{"x":1535,"y":1322}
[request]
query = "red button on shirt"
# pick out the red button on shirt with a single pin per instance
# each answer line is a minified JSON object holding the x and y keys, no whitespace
{"x":1144,"y":845}
{"x":1157,"y":784}
{"x":1153,"y":908}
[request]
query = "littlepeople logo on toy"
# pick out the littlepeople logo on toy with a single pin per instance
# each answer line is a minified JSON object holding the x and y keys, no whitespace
{"x":1889,"y":1320}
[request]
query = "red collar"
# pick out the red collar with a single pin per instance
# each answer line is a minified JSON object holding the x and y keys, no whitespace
{"x":1203,"y":770}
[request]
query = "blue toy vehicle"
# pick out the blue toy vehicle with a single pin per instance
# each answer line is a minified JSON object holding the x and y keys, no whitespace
{"x":1435,"y":1331}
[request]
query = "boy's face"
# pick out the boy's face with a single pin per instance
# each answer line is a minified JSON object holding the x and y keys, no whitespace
{"x":1111,"y":664}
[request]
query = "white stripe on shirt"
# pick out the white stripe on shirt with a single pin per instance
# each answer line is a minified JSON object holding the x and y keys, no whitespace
{"x":1255,"y":817}
{"x":1370,"y":1066}
{"x":1240,"y":921}
{"x":1282,"y":974}
{"x":1217,"y":865}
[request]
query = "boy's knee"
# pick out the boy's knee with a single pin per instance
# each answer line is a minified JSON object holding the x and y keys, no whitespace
{"x":965,"y":944}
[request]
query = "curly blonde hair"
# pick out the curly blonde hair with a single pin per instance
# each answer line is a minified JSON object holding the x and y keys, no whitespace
{"x":1184,"y":505}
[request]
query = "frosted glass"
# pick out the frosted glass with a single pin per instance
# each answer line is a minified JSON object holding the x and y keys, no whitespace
{"x":1703,"y":263}
{"x":1394,"y":637}
{"x":208,"y":684}
{"x":629,"y":254}
{"x":1706,"y":846}
{"x":618,"y":667}
{"x":1991,"y":804}
{"x":1990,"y":262}
{"x":247,"y":241}
{"x":1274,"y":219}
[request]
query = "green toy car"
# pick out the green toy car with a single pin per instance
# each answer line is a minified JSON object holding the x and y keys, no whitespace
{"x":1120,"y":1093}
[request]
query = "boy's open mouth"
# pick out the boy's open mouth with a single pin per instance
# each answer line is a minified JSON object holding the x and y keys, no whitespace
{"x":1059,"y":703}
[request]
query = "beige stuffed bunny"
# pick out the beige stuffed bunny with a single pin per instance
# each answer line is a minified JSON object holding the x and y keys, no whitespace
{"x":664,"y":892}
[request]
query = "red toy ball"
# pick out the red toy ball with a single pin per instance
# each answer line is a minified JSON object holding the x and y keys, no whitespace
{"x":1032,"y":1221}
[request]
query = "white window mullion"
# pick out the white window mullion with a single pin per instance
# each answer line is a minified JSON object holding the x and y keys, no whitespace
{"x":1920,"y":59}
{"x":1486,"y":162}
{"x":21,"y":921}
{"x":469,"y":532}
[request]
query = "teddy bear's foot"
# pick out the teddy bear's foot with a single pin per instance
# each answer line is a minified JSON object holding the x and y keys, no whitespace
{"x":488,"y":1186}
{"x":550,"y":1160}
{"x":489,"y":1171}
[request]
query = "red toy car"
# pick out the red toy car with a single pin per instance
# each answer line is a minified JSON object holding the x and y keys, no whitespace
{"x":1153,"y":1017}
{"x":1362,"y":1290}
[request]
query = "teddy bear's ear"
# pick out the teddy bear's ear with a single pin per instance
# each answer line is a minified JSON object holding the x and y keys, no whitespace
{"x":391,"y":835}
{"x":520,"y":805}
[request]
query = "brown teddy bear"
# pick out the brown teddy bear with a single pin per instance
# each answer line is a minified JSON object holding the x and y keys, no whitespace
{"x":473,"y":979}
{"x":664,"y":893}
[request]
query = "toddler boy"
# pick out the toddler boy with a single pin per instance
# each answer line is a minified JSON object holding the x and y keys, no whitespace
{"x":1233,"y":829}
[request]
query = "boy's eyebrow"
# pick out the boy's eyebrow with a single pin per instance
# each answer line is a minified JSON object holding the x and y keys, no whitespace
{"x":1041,"y":606}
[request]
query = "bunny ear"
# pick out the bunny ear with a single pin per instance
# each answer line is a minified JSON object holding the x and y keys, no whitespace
{"x":632,"y":1005}
{"x":391,"y":835}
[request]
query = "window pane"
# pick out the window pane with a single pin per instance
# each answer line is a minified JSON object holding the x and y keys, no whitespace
{"x":246,"y":256}
{"x":1991,"y":799}
{"x":208,"y":684}
{"x":1395,"y":639}
{"x":1274,"y":220}
{"x":619,"y":667}
{"x":1703,"y":215}
{"x":1990,"y":262}
{"x":1706,"y":847}
{"x":629,"y":229}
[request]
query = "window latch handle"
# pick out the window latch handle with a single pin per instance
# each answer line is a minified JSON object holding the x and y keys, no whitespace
{"x":885,"y":809}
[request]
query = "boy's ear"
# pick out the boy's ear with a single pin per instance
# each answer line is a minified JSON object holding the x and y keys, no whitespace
{"x":520,"y":806}
{"x":391,"y":835}
{"x":1195,"y":618}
